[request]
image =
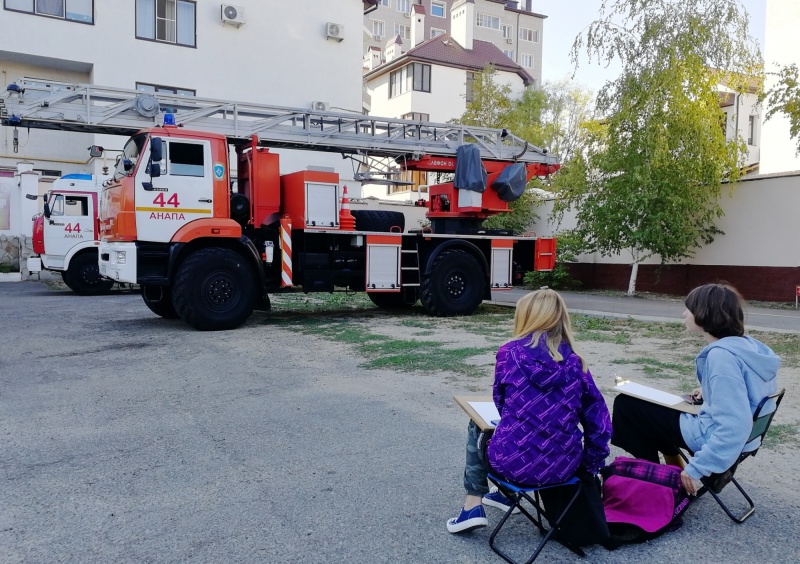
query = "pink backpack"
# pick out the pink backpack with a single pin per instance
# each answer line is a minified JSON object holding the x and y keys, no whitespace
{"x":642,"y":499}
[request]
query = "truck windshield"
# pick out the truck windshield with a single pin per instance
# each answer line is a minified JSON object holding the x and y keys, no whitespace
{"x":131,"y":153}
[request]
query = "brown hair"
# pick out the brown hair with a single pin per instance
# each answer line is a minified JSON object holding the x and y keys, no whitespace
{"x":544,"y":311}
{"x":718,"y":309}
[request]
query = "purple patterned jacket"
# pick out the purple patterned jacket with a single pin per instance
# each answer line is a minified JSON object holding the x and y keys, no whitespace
{"x":542,"y":403}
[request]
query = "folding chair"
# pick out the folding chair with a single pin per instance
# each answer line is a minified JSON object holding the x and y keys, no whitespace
{"x":716,"y":482}
{"x":516,"y":493}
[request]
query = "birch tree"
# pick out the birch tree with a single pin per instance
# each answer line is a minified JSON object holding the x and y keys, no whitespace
{"x":659,"y":155}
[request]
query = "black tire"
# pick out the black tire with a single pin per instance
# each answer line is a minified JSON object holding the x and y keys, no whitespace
{"x":215,"y":289}
{"x":455,"y":286}
{"x":393,"y":300}
{"x":159,"y":300}
{"x":83,"y":276}
{"x":380,"y":221}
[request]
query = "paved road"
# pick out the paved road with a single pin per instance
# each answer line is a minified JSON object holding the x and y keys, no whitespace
{"x":658,"y":309}
{"x":129,"y":438}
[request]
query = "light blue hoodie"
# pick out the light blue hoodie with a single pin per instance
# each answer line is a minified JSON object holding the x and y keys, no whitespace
{"x":735,"y":374}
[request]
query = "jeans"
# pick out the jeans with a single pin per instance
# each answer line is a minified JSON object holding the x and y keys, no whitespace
{"x":477,"y":466}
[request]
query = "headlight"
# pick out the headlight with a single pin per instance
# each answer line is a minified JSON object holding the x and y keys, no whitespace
{"x":121,"y":259}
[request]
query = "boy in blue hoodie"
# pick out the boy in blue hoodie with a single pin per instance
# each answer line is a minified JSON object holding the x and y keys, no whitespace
{"x":735,"y":373}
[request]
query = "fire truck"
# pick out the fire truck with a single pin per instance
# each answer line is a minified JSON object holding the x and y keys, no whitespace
{"x":171,"y":221}
{"x":66,"y":235}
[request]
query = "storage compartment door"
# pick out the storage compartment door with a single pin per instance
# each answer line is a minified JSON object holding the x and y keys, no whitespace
{"x":501,"y":264}
{"x":383,"y":263}
{"x":322,"y":206}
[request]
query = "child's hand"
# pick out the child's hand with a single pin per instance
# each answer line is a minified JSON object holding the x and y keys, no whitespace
{"x":690,"y":484}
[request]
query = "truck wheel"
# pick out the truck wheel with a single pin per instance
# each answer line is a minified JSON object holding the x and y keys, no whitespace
{"x":379,"y":220}
{"x":159,"y":300}
{"x":214,"y":289}
{"x":393,"y":300}
{"x":455,"y":285}
{"x":83,"y":276}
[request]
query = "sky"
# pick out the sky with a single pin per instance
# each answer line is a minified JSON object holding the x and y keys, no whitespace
{"x":567,"y":18}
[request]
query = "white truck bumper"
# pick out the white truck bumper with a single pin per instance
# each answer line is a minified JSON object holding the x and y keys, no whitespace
{"x":118,"y":261}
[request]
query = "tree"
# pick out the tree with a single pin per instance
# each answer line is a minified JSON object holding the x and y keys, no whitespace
{"x":567,"y":107}
{"x":655,"y":163}
{"x":784,"y":98}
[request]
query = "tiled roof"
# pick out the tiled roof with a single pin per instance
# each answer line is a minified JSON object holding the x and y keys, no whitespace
{"x":444,"y":50}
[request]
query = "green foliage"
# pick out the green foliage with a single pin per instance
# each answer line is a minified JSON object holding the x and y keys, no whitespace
{"x":490,"y":101}
{"x":784,"y":98}
{"x":654,"y":165}
{"x":5,"y":268}
{"x":520,"y":218}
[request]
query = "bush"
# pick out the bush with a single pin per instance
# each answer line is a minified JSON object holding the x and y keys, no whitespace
{"x":5,"y":268}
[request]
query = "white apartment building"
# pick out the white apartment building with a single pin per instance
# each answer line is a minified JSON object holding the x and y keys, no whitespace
{"x":426,"y":79}
{"x":511,"y":26}
{"x":279,"y":52}
{"x":743,"y":121}
{"x":781,"y":48}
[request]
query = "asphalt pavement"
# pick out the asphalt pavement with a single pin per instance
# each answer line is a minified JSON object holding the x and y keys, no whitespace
{"x":656,"y":309}
{"x":125,"y":437}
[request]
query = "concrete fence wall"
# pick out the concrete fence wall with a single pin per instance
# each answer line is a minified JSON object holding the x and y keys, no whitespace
{"x":759,"y":251}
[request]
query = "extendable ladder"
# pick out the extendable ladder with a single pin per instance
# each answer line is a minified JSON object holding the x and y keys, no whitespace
{"x":95,"y":109}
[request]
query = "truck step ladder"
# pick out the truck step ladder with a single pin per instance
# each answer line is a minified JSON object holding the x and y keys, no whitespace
{"x":101,"y":110}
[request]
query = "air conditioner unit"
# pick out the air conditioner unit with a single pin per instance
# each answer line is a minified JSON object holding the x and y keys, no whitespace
{"x":377,"y":37}
{"x":319,"y":106}
{"x":334,"y":31}
{"x":231,"y":14}
{"x":408,"y":14}
{"x":509,"y":40}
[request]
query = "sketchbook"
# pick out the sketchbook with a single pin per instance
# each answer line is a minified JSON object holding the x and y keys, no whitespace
{"x":657,"y":396}
{"x":481,"y":410}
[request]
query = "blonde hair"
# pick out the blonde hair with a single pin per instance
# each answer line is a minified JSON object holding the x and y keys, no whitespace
{"x":544,"y":311}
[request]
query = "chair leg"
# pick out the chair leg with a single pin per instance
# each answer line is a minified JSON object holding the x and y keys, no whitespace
{"x":516,"y":502}
{"x":736,"y":518}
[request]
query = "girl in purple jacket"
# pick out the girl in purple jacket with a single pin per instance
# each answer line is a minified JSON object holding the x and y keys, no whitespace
{"x":553,"y":420}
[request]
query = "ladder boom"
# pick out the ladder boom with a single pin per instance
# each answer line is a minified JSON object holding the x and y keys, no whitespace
{"x":94,"y":109}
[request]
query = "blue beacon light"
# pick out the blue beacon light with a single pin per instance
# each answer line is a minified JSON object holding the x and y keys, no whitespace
{"x":169,"y":119}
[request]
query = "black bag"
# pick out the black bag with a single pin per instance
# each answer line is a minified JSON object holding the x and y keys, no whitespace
{"x":585,"y":522}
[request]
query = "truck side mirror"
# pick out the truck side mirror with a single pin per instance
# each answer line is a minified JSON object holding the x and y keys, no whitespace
{"x":31,"y":196}
{"x":127,"y":164}
{"x":47,"y":210}
{"x":96,"y":151}
{"x":156,"y":149}
{"x":154,"y":170}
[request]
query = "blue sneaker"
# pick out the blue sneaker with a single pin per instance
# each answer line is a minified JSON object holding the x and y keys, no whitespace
{"x":495,"y":499}
{"x":468,"y":520}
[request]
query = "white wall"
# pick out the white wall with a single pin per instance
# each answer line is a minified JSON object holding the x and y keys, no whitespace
{"x":280,"y":57}
{"x":760,"y":226}
{"x":737,"y":124}
{"x":781,"y":48}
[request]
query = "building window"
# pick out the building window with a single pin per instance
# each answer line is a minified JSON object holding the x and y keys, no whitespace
{"x":751,"y":130}
{"x":416,"y":116}
{"x":470,"y":81}
{"x":378,"y":29}
{"x":508,"y":31}
{"x":170,"y":21}
{"x":404,"y":31}
{"x":384,"y":2}
{"x":403,"y":6}
{"x":509,"y":54}
{"x":438,"y":9}
{"x":436,"y":32}
{"x":485,"y":20}
{"x":531,"y":35}
{"x":415,"y":76}
{"x":81,"y":11}
{"x":526,"y":60}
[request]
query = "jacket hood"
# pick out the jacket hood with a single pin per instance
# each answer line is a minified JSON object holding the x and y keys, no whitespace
{"x":543,"y":371}
{"x":757,"y":356}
